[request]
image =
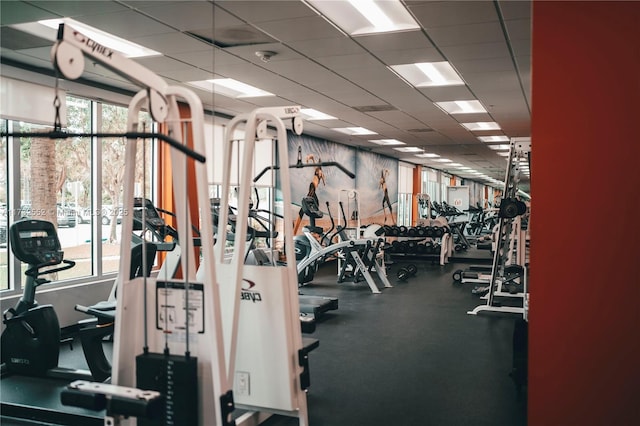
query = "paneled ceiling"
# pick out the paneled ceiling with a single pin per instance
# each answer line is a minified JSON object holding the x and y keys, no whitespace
{"x":317,"y":66}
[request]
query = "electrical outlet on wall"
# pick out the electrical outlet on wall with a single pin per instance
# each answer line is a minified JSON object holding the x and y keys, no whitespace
{"x":242,"y":386}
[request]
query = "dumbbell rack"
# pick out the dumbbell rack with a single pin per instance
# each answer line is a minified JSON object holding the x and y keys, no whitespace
{"x":520,"y":149}
{"x":410,"y":241}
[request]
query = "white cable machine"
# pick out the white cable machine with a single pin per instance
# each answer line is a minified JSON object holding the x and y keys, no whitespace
{"x":263,"y":340}
{"x":142,"y":302}
{"x":509,"y":221}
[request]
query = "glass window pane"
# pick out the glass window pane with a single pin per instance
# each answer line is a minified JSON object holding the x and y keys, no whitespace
{"x":114,"y":119}
{"x":73,"y":158}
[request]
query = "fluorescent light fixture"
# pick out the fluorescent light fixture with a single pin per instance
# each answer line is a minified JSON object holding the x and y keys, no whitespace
{"x":387,"y":141}
{"x":429,"y":74}
{"x":457,"y":165}
{"x":427,"y":155}
{"x":442,"y":160}
{"x":230,"y":88}
{"x":354,"y":131}
{"x":494,"y":138}
{"x":313,"y":114}
{"x":481,"y":125}
{"x":500,"y":147}
{"x":461,"y":107}
{"x":48,"y":28}
{"x":464,"y":168}
{"x":361,"y":17}
{"x":504,"y":154}
{"x":409,"y":149}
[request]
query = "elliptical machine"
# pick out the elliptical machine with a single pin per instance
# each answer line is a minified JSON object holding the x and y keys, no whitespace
{"x":31,"y":341}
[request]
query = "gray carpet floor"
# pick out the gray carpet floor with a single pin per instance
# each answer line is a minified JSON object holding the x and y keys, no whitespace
{"x":410,"y":356}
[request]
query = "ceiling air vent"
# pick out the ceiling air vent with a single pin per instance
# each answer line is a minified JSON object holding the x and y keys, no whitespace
{"x":423,"y":130}
{"x":239,"y":35}
{"x":375,"y":108}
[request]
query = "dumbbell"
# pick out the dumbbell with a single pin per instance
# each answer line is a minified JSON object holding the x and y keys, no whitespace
{"x":412,"y":246}
{"x":430,"y":231}
{"x":428,"y":247}
{"x":402,"y":231}
{"x":421,"y":231}
{"x":412,"y":232}
{"x":421,"y":249}
{"x":407,"y":272}
{"x":438,"y":231}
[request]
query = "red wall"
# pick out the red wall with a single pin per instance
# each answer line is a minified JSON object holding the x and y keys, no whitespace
{"x":584,"y":353}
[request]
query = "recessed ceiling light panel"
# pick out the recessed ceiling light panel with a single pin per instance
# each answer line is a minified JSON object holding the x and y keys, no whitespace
{"x":362,"y":17}
{"x":427,"y":155}
{"x":429,"y":74}
{"x":230,"y":88}
{"x":494,"y":138}
{"x":313,"y":114}
{"x":461,"y":107}
{"x":387,"y":142}
{"x":354,"y":131}
{"x":481,"y":125}
{"x":48,"y":28}
{"x":409,"y":149}
{"x":500,"y":147}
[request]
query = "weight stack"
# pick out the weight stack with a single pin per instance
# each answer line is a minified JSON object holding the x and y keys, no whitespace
{"x":176,"y":378}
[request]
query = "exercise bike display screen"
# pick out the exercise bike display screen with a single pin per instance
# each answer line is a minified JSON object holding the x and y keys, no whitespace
{"x":35,"y":242}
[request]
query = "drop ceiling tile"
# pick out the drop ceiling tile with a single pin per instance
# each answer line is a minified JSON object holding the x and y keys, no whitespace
{"x":310,"y":28}
{"x":467,"y":52}
{"x":345,"y":62}
{"x":377,"y":73}
{"x":398,"y":119}
{"x":484,"y":65}
{"x":519,"y":29}
{"x":515,"y":9}
{"x":170,"y":43}
{"x":482,"y":83}
{"x":489,"y":32}
{"x":266,"y":11}
{"x":447,"y":93}
{"x":14,"y":12}
{"x":472,"y":118}
{"x":521,"y":47}
{"x":162,"y":63}
{"x":185,"y":74}
{"x":334,"y":46}
{"x":453,"y":13}
{"x":392,"y":41}
{"x":410,"y":56}
{"x":202,"y":59}
{"x":183,"y":15}
{"x":248,"y":53}
{"x":78,"y":9}
{"x":352,"y":97}
{"x":127,"y":24}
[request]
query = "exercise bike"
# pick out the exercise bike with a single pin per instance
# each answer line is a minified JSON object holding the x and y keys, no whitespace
{"x":30,"y":343}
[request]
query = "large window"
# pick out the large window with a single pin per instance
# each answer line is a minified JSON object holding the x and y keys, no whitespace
{"x":75,"y":183}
